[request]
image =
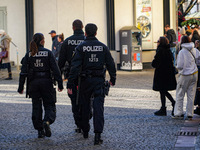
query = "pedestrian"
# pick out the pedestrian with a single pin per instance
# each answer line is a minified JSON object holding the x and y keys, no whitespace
{"x":171,"y":35}
{"x":197,"y":46}
{"x":164,"y":76}
{"x":195,"y":36}
{"x":197,"y":96}
{"x":60,"y":39}
{"x":5,"y":53}
{"x":187,"y":61}
{"x":66,"y":53}
{"x":54,"y":40}
{"x":189,"y":33}
{"x":37,"y":66}
{"x":90,"y":62}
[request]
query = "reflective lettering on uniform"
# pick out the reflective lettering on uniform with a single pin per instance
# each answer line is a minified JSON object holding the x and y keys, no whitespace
{"x":93,"y":48}
{"x":75,"y":42}
{"x":40,"y":54}
{"x":38,"y":63}
{"x":93,"y":58}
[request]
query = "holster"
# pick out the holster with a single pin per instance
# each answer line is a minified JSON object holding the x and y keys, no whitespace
{"x":106,"y":87}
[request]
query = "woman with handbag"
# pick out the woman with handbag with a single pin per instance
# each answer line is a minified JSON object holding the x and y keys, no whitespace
{"x":187,"y":61}
{"x":164,"y":76}
{"x":5,"y":52}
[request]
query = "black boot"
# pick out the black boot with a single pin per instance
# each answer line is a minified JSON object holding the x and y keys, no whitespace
{"x":47,"y":128}
{"x":97,"y":139}
{"x":9,"y":76}
{"x":41,"y":134}
{"x":85,"y":135}
{"x":173,"y":106}
{"x":161,"y":112}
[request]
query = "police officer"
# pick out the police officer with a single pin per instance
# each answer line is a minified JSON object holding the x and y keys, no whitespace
{"x":37,"y":66}
{"x":66,"y":52}
{"x":92,"y":58}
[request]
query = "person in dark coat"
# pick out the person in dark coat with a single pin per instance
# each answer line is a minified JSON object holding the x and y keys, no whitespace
{"x":164,"y":76}
{"x":54,"y":40}
{"x":171,"y":36}
{"x":60,"y":39}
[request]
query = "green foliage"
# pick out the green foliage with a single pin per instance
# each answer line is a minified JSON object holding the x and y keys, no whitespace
{"x":191,"y":22}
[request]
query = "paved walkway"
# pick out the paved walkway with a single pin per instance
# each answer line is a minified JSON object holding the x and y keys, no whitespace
{"x":129,"y":120}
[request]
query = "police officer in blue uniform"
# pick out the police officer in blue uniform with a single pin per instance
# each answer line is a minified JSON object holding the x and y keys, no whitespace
{"x":66,"y":52}
{"x":38,"y":65}
{"x":90,"y":61}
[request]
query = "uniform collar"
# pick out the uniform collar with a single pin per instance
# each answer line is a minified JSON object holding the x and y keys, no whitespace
{"x":78,"y":32}
{"x":40,"y":47}
{"x":91,"y":38}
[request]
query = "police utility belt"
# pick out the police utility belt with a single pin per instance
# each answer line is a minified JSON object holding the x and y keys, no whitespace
{"x":37,"y":75}
{"x":93,"y":73}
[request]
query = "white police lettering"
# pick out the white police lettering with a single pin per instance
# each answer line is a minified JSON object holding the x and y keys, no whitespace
{"x":93,"y":48}
{"x":38,"y":63}
{"x":75,"y":42}
{"x":40,"y":54}
{"x":93,"y":58}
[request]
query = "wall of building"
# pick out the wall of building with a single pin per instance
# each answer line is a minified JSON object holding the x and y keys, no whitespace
{"x":123,"y":17}
{"x":59,"y":15}
{"x":16,"y":26}
{"x":173,"y":15}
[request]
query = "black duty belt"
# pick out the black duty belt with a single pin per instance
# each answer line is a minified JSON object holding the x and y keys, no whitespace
{"x":41,"y":75}
{"x":93,"y":73}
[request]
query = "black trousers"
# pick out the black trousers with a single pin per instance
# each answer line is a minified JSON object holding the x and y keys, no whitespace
{"x":5,"y":65}
{"x":75,"y":107}
{"x":92,"y":86}
{"x":163,"y":95}
{"x":43,"y":94}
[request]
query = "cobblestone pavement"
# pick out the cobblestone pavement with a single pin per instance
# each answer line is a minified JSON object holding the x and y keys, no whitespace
{"x":129,"y":120}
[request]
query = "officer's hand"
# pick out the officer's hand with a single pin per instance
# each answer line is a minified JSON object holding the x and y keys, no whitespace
{"x":69,"y":91}
{"x":21,"y":92}
{"x":111,"y":83}
{"x":59,"y":90}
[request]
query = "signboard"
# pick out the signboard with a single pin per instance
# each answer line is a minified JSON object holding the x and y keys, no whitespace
{"x":144,"y":22}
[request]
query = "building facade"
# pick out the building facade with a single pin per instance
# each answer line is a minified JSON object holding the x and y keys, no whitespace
{"x":22,"y":18}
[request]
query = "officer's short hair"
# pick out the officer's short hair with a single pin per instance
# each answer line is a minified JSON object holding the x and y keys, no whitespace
{"x":91,"y":29}
{"x":77,"y":24}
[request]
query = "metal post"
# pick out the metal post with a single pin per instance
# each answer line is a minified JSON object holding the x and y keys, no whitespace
{"x":166,"y":12}
{"x":110,"y":23}
{"x":29,"y":22}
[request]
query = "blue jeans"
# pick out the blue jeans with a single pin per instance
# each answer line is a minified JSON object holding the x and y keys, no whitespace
{"x":173,"y":50}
